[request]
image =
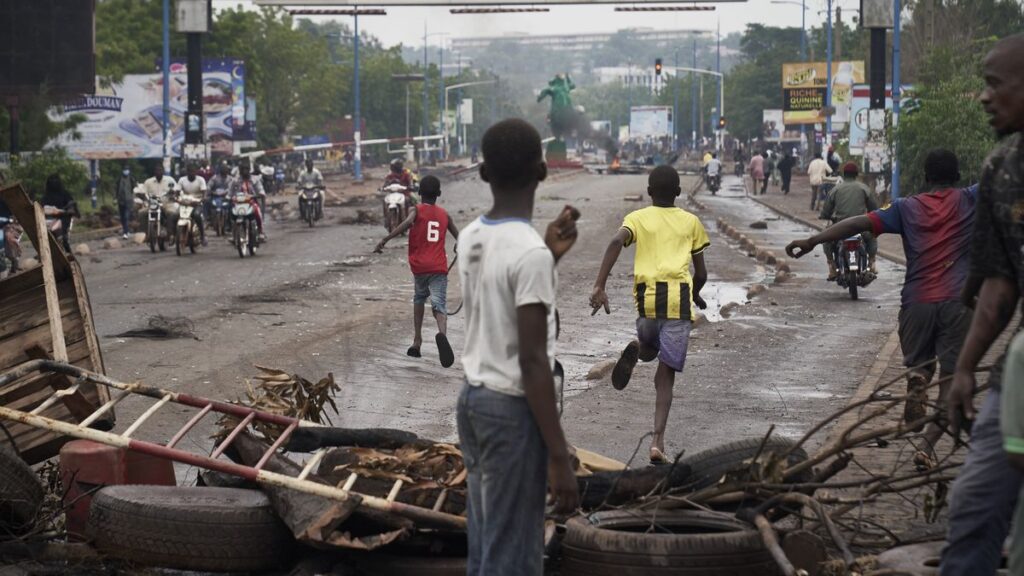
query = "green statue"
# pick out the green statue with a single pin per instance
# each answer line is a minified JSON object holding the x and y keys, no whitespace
{"x":562,"y":116}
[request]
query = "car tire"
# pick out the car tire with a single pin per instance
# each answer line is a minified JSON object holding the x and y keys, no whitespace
{"x":388,"y":565}
{"x":189,"y":528}
{"x":21,"y":493}
{"x":709,"y":466}
{"x":615,"y":543}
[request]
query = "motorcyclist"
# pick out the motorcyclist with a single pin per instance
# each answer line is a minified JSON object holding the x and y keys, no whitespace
{"x":311,"y":177}
{"x":398,"y":175}
{"x":714,"y":168}
{"x":851,"y":198}
{"x":61,"y":207}
{"x":267,"y":173}
{"x":250,"y":184}
{"x":195,"y":186}
{"x":161,"y":186}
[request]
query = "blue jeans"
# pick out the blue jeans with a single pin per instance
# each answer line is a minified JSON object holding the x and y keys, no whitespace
{"x":507,"y":483}
{"x":984,"y":496}
{"x":125,"y":212}
{"x":433,"y":286}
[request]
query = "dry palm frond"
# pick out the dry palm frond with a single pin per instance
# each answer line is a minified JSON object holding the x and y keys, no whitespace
{"x":291,"y":395}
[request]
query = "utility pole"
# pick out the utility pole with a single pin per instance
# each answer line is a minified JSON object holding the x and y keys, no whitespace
{"x":897,"y":14}
{"x":166,"y":65}
{"x":675,"y":104}
{"x":721,"y":95}
{"x":693,"y":99}
{"x":194,"y":21}
{"x":827,"y":139}
{"x":425,"y":130}
{"x":442,"y":126}
{"x":357,"y":161}
{"x":839,"y":34}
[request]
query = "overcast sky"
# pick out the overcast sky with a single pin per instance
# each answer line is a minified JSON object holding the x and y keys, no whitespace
{"x":405,"y":24}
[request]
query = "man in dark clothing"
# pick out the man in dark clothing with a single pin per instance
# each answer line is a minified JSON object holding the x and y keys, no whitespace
{"x":125,"y":199}
{"x":851,"y":198}
{"x":786,"y":171}
{"x":987,"y":487}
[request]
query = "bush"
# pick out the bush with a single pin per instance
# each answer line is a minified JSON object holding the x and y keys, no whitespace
{"x":33,"y":172}
{"x":948,"y":116}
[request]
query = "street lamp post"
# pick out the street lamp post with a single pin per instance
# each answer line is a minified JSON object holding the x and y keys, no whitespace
{"x":357,"y":164}
{"x":897,"y":15}
{"x":675,"y":103}
{"x":827,"y":140}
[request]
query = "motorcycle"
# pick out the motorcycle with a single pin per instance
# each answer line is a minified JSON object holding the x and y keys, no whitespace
{"x":187,"y":231}
{"x":396,"y":205}
{"x":220,"y":214}
{"x":55,"y":218}
{"x":10,"y":245}
{"x":739,"y":169}
{"x":246,"y":234}
{"x":278,"y":181}
{"x":714,"y":183}
{"x":311,"y":203}
{"x":851,"y":259}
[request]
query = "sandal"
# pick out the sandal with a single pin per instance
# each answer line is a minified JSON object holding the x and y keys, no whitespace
{"x":658,"y":457}
{"x":413,"y":351}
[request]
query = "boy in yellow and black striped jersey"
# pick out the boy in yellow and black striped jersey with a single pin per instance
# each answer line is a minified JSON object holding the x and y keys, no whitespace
{"x":668,"y":240}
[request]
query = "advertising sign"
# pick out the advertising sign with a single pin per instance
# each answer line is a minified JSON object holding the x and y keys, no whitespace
{"x":125,"y":120}
{"x":804,"y":87}
{"x":859,"y":111}
{"x":650,"y":121}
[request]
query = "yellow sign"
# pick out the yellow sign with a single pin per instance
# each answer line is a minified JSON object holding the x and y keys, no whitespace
{"x":804,"y":86}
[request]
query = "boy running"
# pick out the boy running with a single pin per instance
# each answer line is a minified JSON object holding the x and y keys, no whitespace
{"x":429,"y":263}
{"x":668,"y":239}
{"x":507,"y":418}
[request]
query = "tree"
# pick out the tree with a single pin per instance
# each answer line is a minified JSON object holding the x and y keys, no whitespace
{"x":33,"y":171}
{"x":947,"y":115}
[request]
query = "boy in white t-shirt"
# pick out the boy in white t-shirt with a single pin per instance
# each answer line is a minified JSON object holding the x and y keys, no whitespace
{"x":507,"y":417}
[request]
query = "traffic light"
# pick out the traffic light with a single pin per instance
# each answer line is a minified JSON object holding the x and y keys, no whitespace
{"x":721,"y":123}
{"x":657,"y":66}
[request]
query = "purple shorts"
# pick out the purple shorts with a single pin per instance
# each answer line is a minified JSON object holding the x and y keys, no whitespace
{"x":670,"y":337}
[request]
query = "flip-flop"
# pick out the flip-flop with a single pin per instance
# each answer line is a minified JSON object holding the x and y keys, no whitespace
{"x":658,"y":457}
{"x":444,"y":351}
{"x":413,"y":351}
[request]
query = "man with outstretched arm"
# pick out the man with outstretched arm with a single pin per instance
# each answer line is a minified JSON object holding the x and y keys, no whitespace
{"x":668,"y":240}
{"x":507,"y":416}
{"x":936,"y":229}
{"x":986,"y":490}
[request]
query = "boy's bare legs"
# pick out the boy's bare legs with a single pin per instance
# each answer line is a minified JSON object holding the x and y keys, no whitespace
{"x":664,"y":380}
{"x":442,"y":321}
{"x":417,"y":322}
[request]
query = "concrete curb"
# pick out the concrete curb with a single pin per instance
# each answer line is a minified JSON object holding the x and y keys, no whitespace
{"x":819,"y":227}
{"x":766,"y":257}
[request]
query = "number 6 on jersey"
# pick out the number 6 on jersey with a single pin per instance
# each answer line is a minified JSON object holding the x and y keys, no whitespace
{"x":433,"y":231}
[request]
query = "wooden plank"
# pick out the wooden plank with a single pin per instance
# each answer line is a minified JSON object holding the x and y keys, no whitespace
{"x":12,"y":350}
{"x":60,"y":351}
{"x":85,"y":308}
{"x":21,"y":316}
{"x":27,"y":280}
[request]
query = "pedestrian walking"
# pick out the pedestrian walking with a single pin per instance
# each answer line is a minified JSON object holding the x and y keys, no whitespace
{"x":1011,"y":414}
{"x":428,"y":225}
{"x":986,"y":490}
{"x":125,"y":195}
{"x":668,"y":241}
{"x":935,"y":227}
{"x":507,"y":416}
{"x":786,"y":171}
{"x":817,"y":170}
{"x":756,"y":169}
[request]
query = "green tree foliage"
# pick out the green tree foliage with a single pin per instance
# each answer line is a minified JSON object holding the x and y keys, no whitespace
{"x":32,"y":172}
{"x":755,"y":84}
{"x":947,"y":115}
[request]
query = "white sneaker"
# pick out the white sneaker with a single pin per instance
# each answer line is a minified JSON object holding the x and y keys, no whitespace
{"x":124,"y":236}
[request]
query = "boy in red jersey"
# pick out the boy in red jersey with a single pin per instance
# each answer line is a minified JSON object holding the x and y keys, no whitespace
{"x":429,"y":224}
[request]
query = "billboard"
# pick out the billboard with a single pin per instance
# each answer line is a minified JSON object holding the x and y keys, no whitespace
{"x":650,"y":121}
{"x":125,"y":119}
{"x":804,"y":90}
{"x":859,"y":106}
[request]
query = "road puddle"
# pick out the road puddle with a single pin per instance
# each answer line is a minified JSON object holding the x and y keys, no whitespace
{"x":722,"y":298}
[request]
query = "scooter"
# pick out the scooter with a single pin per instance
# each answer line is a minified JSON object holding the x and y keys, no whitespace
{"x":395,"y":203}
{"x":714,"y":183}
{"x":187,"y":232}
{"x":311,"y":203}
{"x":55,"y":223}
{"x":851,"y":260}
{"x":246,"y":234}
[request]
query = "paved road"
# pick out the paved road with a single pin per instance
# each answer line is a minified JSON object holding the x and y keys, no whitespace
{"x":316,"y":301}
